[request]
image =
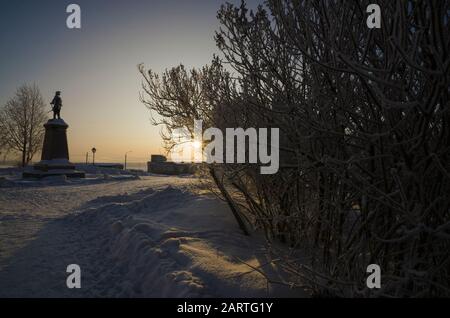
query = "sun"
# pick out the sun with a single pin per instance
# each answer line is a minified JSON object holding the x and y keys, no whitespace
{"x":196,"y":144}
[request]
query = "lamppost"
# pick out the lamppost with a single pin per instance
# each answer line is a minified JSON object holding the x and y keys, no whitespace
{"x":93,"y":155}
{"x":125,"y":166}
{"x":87,"y":157}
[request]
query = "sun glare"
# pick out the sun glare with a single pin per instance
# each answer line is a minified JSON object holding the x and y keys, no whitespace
{"x":196,"y":144}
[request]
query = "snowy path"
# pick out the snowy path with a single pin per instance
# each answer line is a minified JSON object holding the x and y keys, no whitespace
{"x":24,"y":210}
{"x":137,"y":238}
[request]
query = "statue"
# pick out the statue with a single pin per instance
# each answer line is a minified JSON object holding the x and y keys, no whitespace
{"x":55,"y":150}
{"x":57,"y":104}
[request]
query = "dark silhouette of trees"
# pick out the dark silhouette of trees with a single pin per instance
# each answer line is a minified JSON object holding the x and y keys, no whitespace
{"x":22,"y":122}
{"x":4,"y":149}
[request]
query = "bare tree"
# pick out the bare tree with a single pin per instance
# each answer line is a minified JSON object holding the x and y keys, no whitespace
{"x":180,"y":96}
{"x":22,"y":119}
{"x":3,"y":143}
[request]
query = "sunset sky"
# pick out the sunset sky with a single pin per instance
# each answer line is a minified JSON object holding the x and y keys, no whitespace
{"x":96,"y":67}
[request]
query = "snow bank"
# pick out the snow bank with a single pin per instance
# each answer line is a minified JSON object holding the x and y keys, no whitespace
{"x":4,"y":182}
{"x":12,"y":177}
{"x":172,"y":243}
{"x":98,"y":169}
{"x":131,"y":239}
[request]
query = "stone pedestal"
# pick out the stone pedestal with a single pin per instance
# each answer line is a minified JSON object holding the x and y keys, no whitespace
{"x":55,"y":154}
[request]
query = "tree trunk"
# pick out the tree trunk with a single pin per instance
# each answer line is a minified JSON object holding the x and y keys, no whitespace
{"x":230,"y":202}
{"x":24,"y":154}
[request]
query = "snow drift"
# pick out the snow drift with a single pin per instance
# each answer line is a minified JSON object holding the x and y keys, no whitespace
{"x":151,"y":243}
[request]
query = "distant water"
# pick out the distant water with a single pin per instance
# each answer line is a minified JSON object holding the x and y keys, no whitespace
{"x":130,"y":165}
{"x":2,"y":166}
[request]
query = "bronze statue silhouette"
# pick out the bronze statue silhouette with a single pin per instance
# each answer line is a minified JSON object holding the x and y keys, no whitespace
{"x":57,"y":104}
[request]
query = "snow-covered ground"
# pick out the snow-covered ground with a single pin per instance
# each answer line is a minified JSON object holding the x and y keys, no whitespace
{"x":146,"y":236}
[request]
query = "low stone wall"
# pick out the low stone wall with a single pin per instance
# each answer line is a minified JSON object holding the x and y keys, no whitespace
{"x":170,"y":168}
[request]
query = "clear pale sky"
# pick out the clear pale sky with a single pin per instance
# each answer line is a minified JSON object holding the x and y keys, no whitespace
{"x":96,"y":67}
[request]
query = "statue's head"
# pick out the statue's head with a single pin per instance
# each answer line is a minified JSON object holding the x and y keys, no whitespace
{"x":58,"y":93}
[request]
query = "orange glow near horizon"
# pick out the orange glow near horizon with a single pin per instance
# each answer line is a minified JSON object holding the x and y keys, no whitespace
{"x":95,"y":67}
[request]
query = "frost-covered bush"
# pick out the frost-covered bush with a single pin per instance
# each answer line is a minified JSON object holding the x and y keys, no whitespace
{"x":364,"y":123}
